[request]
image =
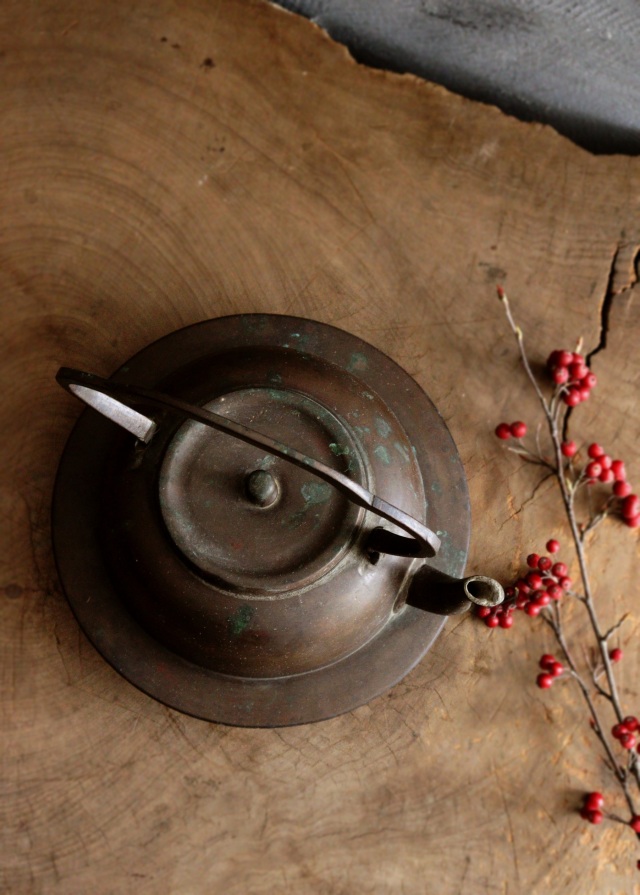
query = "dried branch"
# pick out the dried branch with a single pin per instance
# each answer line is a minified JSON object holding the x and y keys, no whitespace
{"x":570,"y":481}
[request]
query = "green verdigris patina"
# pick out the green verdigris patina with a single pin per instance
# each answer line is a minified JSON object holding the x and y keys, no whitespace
{"x":382,"y":427}
{"x":314,"y":494}
{"x":382,"y":454}
{"x":240,"y":620}
{"x":357,"y":362}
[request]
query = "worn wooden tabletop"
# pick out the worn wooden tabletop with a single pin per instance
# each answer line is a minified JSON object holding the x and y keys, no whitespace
{"x":166,"y":162}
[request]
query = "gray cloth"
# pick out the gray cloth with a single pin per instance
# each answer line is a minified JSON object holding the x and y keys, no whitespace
{"x":574,"y":64}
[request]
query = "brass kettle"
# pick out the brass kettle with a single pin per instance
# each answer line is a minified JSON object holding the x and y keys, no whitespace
{"x":218,"y":529}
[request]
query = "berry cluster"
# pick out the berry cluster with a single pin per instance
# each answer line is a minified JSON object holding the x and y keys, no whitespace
{"x":571,"y":374}
{"x":592,"y":807}
{"x":625,"y":732}
{"x":544,"y":581}
{"x":574,"y":381}
{"x":602,"y":468}
{"x":551,"y":669}
{"x":511,"y":430}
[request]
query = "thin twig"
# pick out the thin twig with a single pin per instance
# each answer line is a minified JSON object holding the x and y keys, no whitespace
{"x":530,"y":457}
{"x":556,"y":627}
{"x":617,"y":625}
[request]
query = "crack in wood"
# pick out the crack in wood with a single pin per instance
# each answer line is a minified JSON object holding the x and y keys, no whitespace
{"x":605,"y":308}
{"x":611,"y":292}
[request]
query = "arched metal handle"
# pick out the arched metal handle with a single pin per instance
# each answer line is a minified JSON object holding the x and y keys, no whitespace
{"x":115,"y":399}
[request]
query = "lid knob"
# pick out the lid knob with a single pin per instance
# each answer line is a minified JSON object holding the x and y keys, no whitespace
{"x":261,"y":488}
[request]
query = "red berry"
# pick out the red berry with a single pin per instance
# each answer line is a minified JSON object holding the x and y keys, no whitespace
{"x":595,"y":817}
{"x":559,"y":570}
{"x":593,"y":469}
{"x":627,"y":741}
{"x":568,"y":448}
{"x":631,"y":506}
{"x":534,"y":580}
{"x":577,"y":370}
{"x":634,"y":522}
{"x":555,"y":592}
{"x":576,"y":357}
{"x":590,"y":380}
{"x":572,"y":398}
{"x":522,"y":586}
{"x":560,"y":375}
{"x":521,"y":601}
{"x":553,"y":546}
{"x":483,"y":611}
{"x":615,"y":654}
{"x":564,"y":358}
{"x":605,"y":461}
{"x":543,"y":598}
{"x":557,"y":669}
{"x":533,"y":609}
{"x":532,"y":560}
{"x":584,"y":392}
{"x":565,"y":583}
{"x":593,"y":801}
{"x":634,"y":823}
{"x":518,"y":429}
{"x":544,"y":681}
{"x":553,"y":359}
{"x":506,"y":620}
{"x":509,"y":592}
{"x":619,"y":730}
{"x":544,"y":563}
{"x":621,"y":489}
{"x":631,"y":723}
{"x":492,"y":621}
{"x":595,"y":450}
{"x":606,"y":476}
{"x":618,"y":470}
{"x":546,"y":661}
{"x":503,"y":431}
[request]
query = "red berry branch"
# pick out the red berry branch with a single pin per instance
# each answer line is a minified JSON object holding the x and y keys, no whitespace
{"x":542,"y":589}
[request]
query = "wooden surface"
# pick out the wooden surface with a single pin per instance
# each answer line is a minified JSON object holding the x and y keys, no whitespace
{"x":162,"y":163}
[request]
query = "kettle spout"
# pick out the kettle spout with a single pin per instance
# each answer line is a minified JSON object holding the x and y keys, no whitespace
{"x":441,"y":594}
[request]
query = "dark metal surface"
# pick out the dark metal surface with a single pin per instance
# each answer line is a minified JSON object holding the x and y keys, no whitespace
{"x":445,"y":595}
{"x":272,"y":640}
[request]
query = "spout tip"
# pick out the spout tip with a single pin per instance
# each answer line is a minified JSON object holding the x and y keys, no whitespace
{"x":483,"y":591}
